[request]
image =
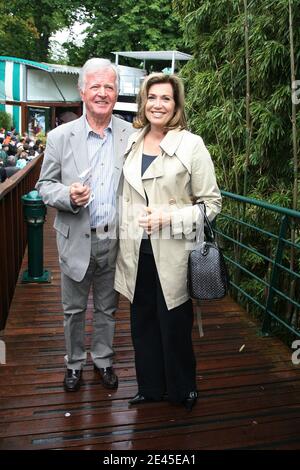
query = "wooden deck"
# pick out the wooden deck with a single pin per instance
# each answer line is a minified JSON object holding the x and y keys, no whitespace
{"x":249,"y":398}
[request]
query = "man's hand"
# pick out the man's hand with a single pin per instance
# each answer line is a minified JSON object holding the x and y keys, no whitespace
{"x":154,"y":220}
{"x":79,"y":194}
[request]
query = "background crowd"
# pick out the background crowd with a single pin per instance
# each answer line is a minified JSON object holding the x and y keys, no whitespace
{"x":16,"y":150}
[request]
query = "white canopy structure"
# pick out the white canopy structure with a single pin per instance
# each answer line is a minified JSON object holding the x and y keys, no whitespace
{"x":154,"y":55}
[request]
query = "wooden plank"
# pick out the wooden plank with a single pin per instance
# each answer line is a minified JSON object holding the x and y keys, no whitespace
{"x":247,"y":399}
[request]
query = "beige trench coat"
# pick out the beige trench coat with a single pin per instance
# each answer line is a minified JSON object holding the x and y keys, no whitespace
{"x":182,"y":172}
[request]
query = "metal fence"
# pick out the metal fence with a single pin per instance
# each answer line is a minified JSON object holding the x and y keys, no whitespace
{"x":261,"y":244}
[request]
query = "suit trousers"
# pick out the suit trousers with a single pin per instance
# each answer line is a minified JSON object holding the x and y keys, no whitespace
{"x":99,"y":276}
{"x":162,"y":338}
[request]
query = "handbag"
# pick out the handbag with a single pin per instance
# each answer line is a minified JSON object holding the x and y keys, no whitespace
{"x":208,"y":277}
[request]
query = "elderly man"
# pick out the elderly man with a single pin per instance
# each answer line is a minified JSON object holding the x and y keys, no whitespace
{"x":80,"y":177}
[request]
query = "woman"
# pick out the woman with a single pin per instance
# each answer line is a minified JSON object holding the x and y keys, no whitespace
{"x":166,"y":168}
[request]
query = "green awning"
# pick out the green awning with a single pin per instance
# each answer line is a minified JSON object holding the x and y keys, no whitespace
{"x":51,"y":68}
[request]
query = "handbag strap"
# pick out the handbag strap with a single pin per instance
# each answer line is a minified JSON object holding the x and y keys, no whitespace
{"x":209,"y":233}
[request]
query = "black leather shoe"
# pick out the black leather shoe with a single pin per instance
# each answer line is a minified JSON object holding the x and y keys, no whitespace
{"x":72,"y":380}
{"x":190,"y":401}
{"x":107,"y":377}
{"x":138,"y":399}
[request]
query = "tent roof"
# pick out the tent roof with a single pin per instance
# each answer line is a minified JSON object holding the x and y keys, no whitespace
{"x":55,"y":68}
{"x":155,"y":55}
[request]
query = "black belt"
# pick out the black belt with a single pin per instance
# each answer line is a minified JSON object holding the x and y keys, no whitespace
{"x":105,"y":229}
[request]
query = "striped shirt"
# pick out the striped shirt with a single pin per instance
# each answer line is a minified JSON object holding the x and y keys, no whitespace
{"x":101,"y":157}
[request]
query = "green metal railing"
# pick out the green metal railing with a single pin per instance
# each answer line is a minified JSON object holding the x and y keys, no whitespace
{"x":261,"y":244}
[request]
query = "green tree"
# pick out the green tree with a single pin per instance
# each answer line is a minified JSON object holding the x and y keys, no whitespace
{"x":18,"y":35}
{"x":246,"y":54}
{"x":127,"y":25}
{"x":27,"y":25}
{"x":216,"y":90}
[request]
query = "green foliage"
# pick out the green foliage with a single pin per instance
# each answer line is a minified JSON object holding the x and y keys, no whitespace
{"x":18,"y":36}
{"x":26,"y":26}
{"x":215,"y":82}
{"x":125,"y":26}
{"x":216,"y":88}
{"x":5,"y":120}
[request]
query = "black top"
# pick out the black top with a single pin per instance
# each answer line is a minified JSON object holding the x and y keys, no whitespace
{"x":146,"y":243}
{"x":146,"y":161}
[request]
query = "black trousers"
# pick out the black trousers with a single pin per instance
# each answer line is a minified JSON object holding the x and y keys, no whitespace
{"x":162,"y":338}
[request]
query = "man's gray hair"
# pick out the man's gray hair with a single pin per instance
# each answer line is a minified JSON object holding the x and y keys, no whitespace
{"x":94,"y":64}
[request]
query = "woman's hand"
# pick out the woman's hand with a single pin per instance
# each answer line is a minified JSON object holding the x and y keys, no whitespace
{"x":154,"y":220}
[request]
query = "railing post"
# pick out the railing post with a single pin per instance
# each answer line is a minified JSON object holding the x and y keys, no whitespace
{"x":34,"y":213}
{"x":266,"y":326}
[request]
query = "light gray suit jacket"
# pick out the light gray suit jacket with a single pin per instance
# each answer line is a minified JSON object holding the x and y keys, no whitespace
{"x":65,"y":159}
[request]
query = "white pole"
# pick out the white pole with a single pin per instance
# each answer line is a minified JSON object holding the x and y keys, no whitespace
{"x":173,"y":61}
{"x":117,"y":59}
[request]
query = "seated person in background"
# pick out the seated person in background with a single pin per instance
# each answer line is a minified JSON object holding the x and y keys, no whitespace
{"x":3,"y":174}
{"x":22,"y":162}
{"x":11,"y":161}
{"x":11,"y":165}
{"x":32,"y":154}
{"x":7,"y":139}
{"x":12,"y":149}
{"x":3,"y":156}
{"x":19,"y":152}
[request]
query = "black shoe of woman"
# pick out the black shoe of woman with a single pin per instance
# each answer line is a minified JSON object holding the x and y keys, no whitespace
{"x":139,"y":399}
{"x":190,"y":401}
